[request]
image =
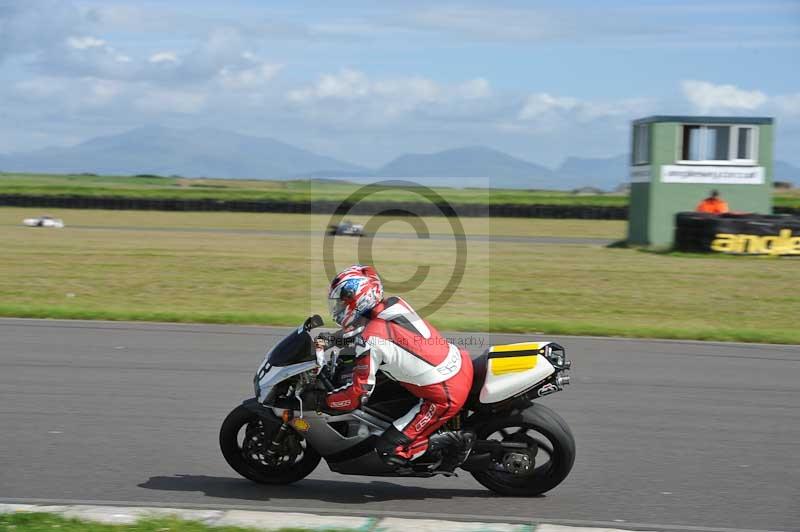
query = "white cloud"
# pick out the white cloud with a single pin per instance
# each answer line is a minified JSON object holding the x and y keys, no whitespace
{"x":384,"y":98}
{"x":707,"y":97}
{"x":84,"y":43}
{"x":163,"y":57}
{"x":225,"y":56}
{"x":549,"y":110}
{"x":347,"y":84}
{"x":537,"y":105}
{"x":86,"y":56}
{"x":248,"y":78}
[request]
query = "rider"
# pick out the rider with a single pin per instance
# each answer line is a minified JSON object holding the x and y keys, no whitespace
{"x":390,"y":336}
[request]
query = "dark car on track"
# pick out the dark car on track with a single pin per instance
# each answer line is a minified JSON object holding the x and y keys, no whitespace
{"x":346,"y":228}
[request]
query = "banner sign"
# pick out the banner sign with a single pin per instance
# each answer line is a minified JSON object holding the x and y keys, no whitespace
{"x":640,"y":174}
{"x":750,"y":234}
{"x":713,"y":175}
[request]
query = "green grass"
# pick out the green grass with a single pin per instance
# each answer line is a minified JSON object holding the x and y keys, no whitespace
{"x":256,"y":278}
{"x":297,"y":190}
{"x":44,"y":522}
{"x":610,"y":229}
{"x":787,"y":198}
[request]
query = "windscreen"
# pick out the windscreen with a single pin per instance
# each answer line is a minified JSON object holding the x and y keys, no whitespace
{"x":295,"y":348}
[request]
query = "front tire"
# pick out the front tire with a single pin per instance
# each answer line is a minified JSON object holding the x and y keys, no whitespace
{"x":529,"y":473}
{"x":243,"y":427}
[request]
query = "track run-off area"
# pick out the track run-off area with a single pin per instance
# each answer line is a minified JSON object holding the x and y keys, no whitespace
{"x":670,"y":435}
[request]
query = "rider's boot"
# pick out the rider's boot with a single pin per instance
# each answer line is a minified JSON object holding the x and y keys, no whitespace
{"x":387,"y":444}
{"x":455,"y":447}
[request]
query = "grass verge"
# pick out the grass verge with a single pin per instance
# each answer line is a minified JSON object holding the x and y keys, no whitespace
{"x":44,"y":522}
{"x":293,"y":190}
{"x":272,"y":190}
{"x":135,"y":273}
{"x":234,"y":221}
{"x":705,"y":333}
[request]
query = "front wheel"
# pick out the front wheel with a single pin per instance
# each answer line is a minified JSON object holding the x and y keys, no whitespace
{"x":541,"y":464}
{"x":245,"y":436}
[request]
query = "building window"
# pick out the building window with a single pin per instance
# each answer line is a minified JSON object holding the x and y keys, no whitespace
{"x":641,"y":144}
{"x":745,"y":145}
{"x":715,"y":144}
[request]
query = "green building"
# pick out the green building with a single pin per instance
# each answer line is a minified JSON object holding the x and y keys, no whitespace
{"x":677,"y":160}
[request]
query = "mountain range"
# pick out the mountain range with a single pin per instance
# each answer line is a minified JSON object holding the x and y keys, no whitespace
{"x":215,"y":153}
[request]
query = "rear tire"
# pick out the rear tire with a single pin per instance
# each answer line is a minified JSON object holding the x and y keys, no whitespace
{"x":554,"y":438}
{"x":297,"y":468}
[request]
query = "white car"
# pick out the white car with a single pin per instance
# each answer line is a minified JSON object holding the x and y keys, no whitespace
{"x":44,"y":221}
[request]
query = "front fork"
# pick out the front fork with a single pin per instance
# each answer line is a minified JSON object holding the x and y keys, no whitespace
{"x":272,"y":451}
{"x":273,"y":448}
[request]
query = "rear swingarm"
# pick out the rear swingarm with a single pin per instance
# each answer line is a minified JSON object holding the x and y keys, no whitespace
{"x":497,"y":448}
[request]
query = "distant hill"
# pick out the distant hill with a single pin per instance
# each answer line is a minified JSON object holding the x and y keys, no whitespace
{"x":603,"y":173}
{"x":473,"y":166}
{"x":216,"y":153}
{"x":190,"y":153}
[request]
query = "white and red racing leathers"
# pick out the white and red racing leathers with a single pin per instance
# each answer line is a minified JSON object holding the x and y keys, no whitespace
{"x":396,"y":341}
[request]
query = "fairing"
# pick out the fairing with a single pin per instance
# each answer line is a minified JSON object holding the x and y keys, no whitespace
{"x":514,"y":369}
{"x":269,"y":376}
{"x":295,"y":348}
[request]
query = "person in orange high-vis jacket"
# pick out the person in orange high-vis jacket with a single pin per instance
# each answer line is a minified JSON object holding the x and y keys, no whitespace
{"x":713,"y":204}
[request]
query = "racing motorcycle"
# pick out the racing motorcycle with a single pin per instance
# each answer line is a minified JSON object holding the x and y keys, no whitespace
{"x":520,"y":448}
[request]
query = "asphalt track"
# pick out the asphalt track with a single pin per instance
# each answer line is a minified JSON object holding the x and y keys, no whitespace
{"x":671,"y":435}
{"x":380,"y":234}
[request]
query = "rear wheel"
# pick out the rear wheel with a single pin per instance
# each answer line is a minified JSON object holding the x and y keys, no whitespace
{"x":540,"y":465}
{"x":244,"y":439}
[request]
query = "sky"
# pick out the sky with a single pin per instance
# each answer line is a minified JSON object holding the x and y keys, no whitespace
{"x":367,"y":81}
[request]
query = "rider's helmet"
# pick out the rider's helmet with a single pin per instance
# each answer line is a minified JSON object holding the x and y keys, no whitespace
{"x":353,"y":293}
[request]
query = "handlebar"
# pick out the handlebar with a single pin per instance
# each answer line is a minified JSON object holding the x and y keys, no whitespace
{"x":325,"y":381}
{"x":334,"y":339}
{"x":330,"y":340}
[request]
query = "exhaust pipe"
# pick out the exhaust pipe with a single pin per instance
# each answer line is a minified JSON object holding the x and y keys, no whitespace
{"x":562,"y":380}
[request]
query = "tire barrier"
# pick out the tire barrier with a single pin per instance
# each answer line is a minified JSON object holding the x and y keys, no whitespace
{"x":314,"y":207}
{"x":739,"y":234}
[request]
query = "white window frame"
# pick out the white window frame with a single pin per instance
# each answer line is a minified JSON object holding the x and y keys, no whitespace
{"x":735,"y":145}
{"x":646,"y":159}
{"x":733,"y":140}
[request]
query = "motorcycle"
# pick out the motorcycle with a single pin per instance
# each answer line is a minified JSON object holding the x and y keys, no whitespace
{"x":520,"y":447}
